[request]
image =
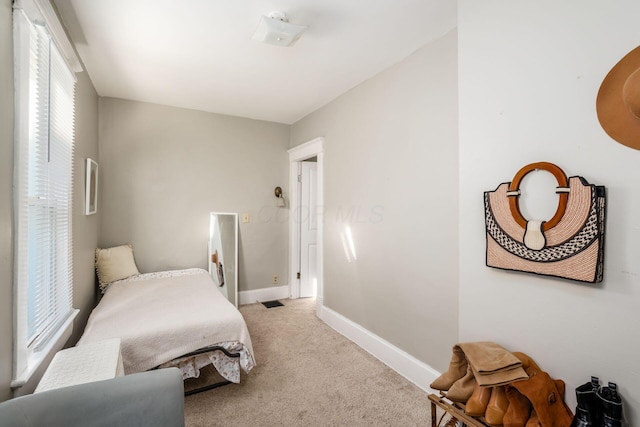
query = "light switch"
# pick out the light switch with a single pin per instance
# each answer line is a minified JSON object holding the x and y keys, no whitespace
{"x":245,"y":217}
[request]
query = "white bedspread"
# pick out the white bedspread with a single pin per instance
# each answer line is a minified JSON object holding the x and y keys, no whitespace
{"x":161,"y":316}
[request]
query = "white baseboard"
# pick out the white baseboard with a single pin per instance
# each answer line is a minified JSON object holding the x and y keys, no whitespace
{"x":264,"y":294}
{"x":400,"y":361}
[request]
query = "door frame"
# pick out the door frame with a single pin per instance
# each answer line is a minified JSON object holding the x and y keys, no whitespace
{"x":313,"y":148}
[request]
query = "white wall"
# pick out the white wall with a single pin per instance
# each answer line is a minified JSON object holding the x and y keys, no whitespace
{"x":390,"y":174}
{"x":164,"y":169}
{"x":529,"y":73}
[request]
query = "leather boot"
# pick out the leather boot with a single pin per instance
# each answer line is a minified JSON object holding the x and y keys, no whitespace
{"x":546,"y":396}
{"x":519,"y":409}
{"x":561,"y":386}
{"x":457,"y":369}
{"x":477,"y":403}
{"x":611,"y":405}
{"x":589,"y":408}
{"x":462,"y":389}
{"x":497,"y":406}
{"x":534,"y":421}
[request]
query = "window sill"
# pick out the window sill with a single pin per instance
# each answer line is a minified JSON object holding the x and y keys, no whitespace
{"x":55,"y":344}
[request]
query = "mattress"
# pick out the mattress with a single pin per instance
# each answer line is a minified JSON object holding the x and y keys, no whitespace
{"x":162,"y":316}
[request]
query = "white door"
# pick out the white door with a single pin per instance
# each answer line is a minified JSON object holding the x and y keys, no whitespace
{"x":308,"y":229}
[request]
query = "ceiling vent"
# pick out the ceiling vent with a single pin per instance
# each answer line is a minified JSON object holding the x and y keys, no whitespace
{"x":276,"y":29}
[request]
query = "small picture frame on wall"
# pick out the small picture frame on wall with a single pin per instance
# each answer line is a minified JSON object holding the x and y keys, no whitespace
{"x":91,"y":188}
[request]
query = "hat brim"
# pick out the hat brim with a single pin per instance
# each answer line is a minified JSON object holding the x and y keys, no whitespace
{"x":614,"y":116}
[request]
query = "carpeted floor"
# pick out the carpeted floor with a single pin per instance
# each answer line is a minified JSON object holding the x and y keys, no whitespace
{"x":308,"y":375}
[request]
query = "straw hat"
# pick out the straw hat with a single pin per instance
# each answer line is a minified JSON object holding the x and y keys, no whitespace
{"x":618,"y":102}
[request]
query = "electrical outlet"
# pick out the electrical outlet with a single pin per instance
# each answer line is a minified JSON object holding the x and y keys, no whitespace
{"x":245,"y":217}
{"x":275,"y":279}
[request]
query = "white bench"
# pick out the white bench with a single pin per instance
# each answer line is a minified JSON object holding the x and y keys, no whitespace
{"x":84,"y":364}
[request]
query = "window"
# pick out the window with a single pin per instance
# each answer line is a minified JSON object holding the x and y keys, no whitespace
{"x":44,"y":131}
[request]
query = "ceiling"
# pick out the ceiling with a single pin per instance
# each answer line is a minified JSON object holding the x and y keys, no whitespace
{"x":199,"y":54}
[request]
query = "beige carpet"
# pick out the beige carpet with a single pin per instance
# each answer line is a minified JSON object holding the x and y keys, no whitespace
{"x":308,"y":375}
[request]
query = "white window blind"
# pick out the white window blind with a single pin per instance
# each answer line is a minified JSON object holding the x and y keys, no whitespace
{"x":44,"y":132}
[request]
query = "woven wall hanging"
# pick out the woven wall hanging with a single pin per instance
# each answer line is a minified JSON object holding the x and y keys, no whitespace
{"x":569,"y":245}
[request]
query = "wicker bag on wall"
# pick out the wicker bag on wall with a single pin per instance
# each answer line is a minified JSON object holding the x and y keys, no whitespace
{"x":570,"y":245}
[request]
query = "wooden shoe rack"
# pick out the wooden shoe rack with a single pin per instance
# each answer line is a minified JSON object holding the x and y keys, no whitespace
{"x":454,"y":409}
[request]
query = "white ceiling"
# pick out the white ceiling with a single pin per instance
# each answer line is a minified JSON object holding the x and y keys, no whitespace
{"x":199,"y":53}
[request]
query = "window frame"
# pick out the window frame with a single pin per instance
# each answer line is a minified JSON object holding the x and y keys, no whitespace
{"x":31,"y":351}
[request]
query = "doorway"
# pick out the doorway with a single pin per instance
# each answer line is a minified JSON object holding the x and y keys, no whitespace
{"x":305,"y":221}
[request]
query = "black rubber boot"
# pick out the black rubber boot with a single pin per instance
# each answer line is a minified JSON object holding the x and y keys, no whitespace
{"x":611,"y":405}
{"x":589,"y":409}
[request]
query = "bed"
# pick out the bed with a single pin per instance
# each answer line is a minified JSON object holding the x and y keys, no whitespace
{"x":172,"y":318}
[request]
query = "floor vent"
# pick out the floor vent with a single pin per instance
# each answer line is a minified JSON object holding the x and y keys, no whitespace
{"x":271,"y":304}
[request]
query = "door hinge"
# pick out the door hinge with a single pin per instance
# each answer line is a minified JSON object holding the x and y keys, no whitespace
{"x":298,"y":276}
{"x":299,"y":178}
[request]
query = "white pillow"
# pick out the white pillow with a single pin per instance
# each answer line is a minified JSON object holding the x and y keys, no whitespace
{"x":115,"y":264}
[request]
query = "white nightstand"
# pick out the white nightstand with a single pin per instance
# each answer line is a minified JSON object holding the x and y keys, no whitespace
{"x":84,"y":364}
